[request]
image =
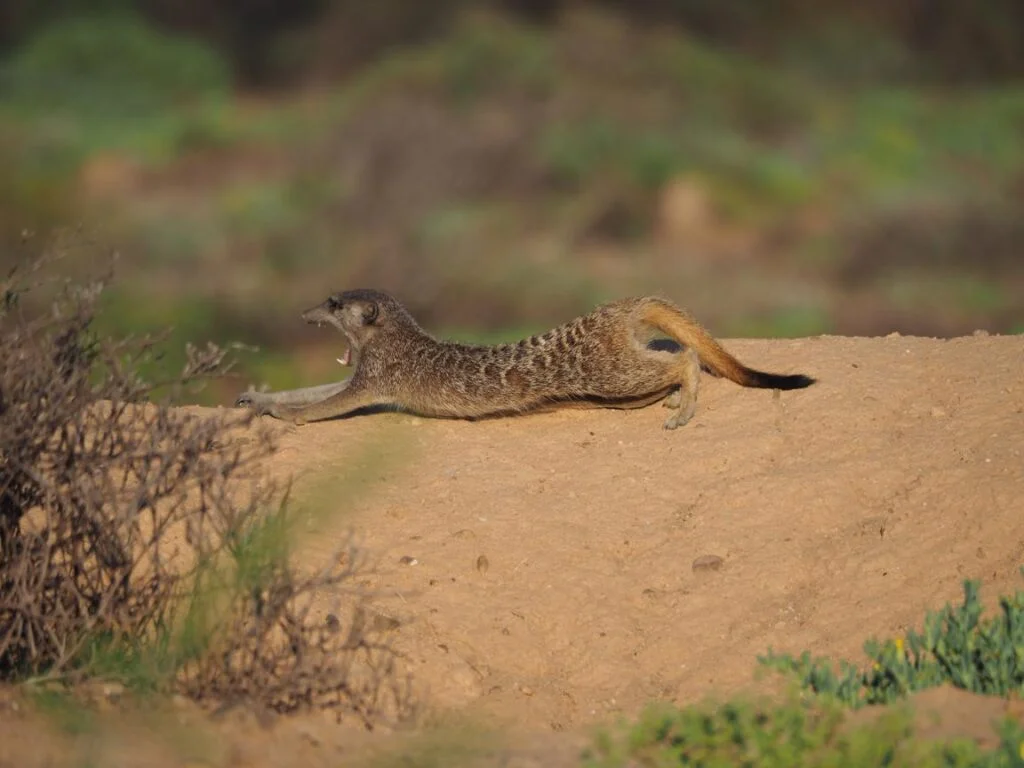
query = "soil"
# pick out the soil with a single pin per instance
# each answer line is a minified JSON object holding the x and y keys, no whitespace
{"x":551,"y":573}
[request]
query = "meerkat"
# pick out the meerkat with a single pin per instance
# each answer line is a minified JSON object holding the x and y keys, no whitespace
{"x":598,"y":360}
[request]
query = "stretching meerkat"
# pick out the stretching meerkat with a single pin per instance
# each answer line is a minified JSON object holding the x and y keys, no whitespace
{"x":597,"y":360}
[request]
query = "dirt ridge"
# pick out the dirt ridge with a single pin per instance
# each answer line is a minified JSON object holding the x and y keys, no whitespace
{"x":842,"y":511}
{"x":541,"y":568}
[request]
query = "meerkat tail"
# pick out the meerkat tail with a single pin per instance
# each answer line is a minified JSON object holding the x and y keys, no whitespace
{"x":673,"y":321}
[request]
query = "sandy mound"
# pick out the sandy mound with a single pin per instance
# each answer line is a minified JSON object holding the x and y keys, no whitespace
{"x":553,"y":583}
{"x":841,"y":511}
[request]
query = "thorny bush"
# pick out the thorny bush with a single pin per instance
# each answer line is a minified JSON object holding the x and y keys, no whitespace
{"x":139,"y":536}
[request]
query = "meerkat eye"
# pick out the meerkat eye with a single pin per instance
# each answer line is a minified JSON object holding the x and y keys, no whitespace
{"x":333,"y":303}
{"x":370,"y":312}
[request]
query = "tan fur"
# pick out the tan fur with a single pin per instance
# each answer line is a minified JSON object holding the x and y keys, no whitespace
{"x":601,"y":359}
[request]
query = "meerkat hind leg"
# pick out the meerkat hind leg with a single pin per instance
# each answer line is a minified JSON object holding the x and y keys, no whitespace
{"x":684,"y":399}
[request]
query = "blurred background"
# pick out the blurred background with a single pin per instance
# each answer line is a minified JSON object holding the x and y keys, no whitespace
{"x":781,"y":168}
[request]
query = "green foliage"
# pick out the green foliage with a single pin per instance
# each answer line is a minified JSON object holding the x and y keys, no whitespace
{"x":785,"y":736}
{"x":786,"y":323}
{"x":112,"y":81}
{"x":487,"y":53}
{"x":578,"y":152}
{"x":720,"y":87}
{"x":265,"y":209}
{"x":774,"y":149}
{"x":732,"y":733}
{"x":113,"y":67}
{"x":957,"y":646}
{"x":251,"y":563}
{"x":70,"y":716}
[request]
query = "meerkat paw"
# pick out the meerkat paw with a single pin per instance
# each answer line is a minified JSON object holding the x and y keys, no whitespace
{"x":675,"y":421}
{"x":265,"y":406}
{"x":681,"y":417}
{"x":255,"y":401}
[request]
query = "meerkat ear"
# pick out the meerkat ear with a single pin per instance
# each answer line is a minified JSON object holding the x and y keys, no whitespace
{"x":370,"y":312}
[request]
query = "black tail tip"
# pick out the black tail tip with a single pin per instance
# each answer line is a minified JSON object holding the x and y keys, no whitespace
{"x":777,"y":381}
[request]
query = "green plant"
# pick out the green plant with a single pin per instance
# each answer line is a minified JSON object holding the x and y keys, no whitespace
{"x":956,"y":646}
{"x":740,"y":733}
{"x":488,"y":53}
{"x":112,"y":66}
{"x":785,"y":323}
{"x":110,"y":80}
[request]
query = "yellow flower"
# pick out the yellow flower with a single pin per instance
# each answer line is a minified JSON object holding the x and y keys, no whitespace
{"x":899,"y":644}
{"x":1020,"y":750}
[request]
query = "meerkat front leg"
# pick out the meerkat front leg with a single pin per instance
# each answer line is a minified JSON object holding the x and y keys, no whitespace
{"x":290,"y":397}
{"x":354,"y":396}
{"x":684,"y":399}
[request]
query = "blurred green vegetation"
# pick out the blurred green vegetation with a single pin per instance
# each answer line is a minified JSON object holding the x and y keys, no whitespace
{"x":956,"y":647}
{"x":850,"y":40}
{"x":790,"y":735}
{"x":507,"y":169}
{"x":95,"y":83}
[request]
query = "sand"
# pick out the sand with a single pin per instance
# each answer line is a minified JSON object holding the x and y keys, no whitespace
{"x":542,"y":568}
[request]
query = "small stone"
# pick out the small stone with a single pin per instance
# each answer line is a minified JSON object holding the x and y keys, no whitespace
{"x":938,"y":413}
{"x":980,"y":332}
{"x":482,"y":564}
{"x":382,"y":623}
{"x":407,"y":560}
{"x":707,"y":563}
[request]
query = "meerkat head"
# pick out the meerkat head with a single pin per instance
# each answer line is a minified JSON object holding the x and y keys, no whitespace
{"x":360,"y":314}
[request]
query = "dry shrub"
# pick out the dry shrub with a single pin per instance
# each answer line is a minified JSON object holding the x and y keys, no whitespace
{"x":140,"y":541}
{"x":289,"y":659}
